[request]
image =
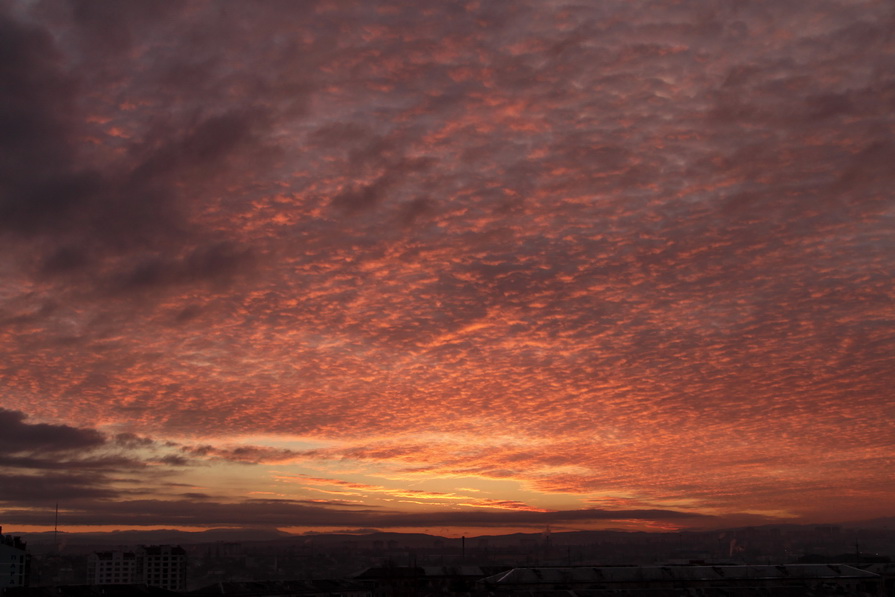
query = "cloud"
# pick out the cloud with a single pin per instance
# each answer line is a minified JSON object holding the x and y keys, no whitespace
{"x":49,"y":488}
{"x":217,"y":264}
{"x":42,"y":187}
{"x":244,"y":454}
{"x":96,"y":486}
{"x":619,"y":250}
{"x":44,"y":463}
{"x":19,"y":436}
{"x":116,"y":218}
{"x":286,"y":513}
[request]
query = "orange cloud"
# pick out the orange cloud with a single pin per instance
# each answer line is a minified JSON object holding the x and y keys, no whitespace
{"x":560,"y":257}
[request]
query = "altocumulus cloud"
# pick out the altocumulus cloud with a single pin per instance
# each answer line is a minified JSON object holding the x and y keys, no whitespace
{"x":605,"y":253}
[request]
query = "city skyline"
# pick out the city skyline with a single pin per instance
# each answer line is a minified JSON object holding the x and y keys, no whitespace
{"x":448,"y":267}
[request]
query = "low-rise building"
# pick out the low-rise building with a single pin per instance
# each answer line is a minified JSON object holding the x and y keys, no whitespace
{"x":794,"y":579}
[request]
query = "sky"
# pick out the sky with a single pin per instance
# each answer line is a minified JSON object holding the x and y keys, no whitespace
{"x":461,"y":267}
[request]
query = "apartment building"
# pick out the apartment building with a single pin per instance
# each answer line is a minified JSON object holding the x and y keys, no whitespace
{"x":14,"y":562}
{"x":163,"y":566}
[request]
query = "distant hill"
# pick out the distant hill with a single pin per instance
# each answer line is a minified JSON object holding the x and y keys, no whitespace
{"x":155,"y":537}
{"x":41,"y":541}
{"x":875,"y":523}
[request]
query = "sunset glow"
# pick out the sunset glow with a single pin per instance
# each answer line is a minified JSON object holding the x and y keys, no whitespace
{"x":456,"y":267}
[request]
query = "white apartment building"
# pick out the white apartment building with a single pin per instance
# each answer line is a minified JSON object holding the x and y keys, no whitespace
{"x":13,"y":562}
{"x":162,"y":566}
{"x":114,"y":568}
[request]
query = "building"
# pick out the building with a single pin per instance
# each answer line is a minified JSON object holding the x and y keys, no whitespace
{"x":162,"y":566}
{"x":398,"y":581}
{"x":14,"y":562}
{"x":792,"y":579}
{"x":286,"y":588}
{"x":114,"y":568}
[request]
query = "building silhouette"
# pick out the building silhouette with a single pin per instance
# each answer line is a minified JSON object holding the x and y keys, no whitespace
{"x":163,"y":566}
{"x":592,"y":581}
{"x":114,"y":568}
{"x":14,"y":562}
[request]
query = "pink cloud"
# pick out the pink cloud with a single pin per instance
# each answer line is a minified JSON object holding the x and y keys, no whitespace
{"x":630,"y":249}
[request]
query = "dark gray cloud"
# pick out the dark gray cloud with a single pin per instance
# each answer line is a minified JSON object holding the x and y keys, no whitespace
{"x":19,"y":436}
{"x":287,"y":513}
{"x":41,"y":187}
{"x":72,"y":461}
{"x":40,"y":462}
{"x":216,"y":264}
{"x":120,"y":221}
{"x":115,"y":28}
{"x":243,"y":454}
{"x":48,"y":488}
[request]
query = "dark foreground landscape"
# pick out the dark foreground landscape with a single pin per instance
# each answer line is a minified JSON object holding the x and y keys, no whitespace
{"x":767,"y":560}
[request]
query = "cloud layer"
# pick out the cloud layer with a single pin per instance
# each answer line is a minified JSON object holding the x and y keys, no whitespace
{"x":621,"y":256}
